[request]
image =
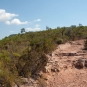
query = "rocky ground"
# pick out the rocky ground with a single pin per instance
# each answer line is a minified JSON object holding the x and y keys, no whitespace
{"x":67,"y":67}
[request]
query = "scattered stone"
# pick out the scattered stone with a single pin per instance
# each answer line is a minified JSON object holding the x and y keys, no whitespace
{"x":80,"y":63}
{"x":54,"y":70}
{"x":69,"y":54}
{"x":85,"y":63}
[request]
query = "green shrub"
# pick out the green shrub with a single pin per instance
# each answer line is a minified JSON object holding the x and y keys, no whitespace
{"x":16,"y":54}
{"x":59,"y":41}
{"x":31,"y":63}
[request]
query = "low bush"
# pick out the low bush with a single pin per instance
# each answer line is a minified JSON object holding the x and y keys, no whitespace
{"x":31,"y":63}
{"x":59,"y":41}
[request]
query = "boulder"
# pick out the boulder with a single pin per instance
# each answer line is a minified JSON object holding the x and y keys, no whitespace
{"x":54,"y":70}
{"x":80,"y":63}
{"x":85,"y":63}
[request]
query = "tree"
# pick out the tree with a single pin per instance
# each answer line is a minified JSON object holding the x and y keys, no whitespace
{"x":47,"y":28}
{"x":73,"y":26}
{"x":80,"y":24}
{"x":22,"y":30}
{"x":63,"y":31}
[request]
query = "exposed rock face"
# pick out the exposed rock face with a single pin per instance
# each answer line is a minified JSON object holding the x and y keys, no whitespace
{"x":85,"y":63}
{"x":64,"y":57}
{"x":79,"y":64}
{"x":67,"y":65}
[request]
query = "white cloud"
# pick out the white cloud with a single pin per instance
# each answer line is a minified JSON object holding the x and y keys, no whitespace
{"x":16,"y":22}
{"x":33,"y":29}
{"x":7,"y":18}
{"x":37,"y":25}
{"x":37,"y":28}
{"x":11,"y":31}
{"x":7,"y":22}
{"x":37,"y":20}
{"x":4,"y":16}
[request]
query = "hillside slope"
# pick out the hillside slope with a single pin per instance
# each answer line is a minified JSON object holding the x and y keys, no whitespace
{"x":66,"y":67}
{"x":24,"y":55}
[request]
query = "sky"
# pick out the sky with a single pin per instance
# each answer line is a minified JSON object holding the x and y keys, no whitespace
{"x":35,"y":15}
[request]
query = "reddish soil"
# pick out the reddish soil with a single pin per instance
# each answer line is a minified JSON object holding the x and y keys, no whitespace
{"x":68,"y":75}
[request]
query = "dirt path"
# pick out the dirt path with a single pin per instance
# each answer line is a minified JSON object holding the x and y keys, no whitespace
{"x":60,"y":70}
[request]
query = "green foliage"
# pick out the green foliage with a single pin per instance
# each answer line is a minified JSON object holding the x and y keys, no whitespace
{"x":59,"y":41}
{"x":22,"y":30}
{"x":25,"y":54}
{"x":31,"y":63}
{"x":16,"y":54}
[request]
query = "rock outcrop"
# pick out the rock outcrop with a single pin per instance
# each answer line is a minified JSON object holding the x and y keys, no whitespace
{"x":67,"y":65}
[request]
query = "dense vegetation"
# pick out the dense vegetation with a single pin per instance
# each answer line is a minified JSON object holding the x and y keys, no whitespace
{"x":25,"y":54}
